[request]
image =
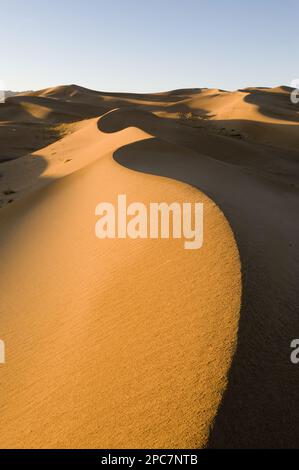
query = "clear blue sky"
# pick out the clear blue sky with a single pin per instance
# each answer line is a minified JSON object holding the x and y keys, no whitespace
{"x":131,"y":45}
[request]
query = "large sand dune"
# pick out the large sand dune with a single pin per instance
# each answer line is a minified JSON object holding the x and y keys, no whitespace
{"x":140,"y":343}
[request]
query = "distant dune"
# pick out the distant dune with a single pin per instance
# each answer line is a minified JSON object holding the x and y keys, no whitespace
{"x":139,"y":343}
{"x":10,"y":93}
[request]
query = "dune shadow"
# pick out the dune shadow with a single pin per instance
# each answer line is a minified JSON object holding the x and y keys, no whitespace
{"x":259,"y":157}
{"x":274,"y":105}
{"x":19,"y":181}
{"x":259,"y":407}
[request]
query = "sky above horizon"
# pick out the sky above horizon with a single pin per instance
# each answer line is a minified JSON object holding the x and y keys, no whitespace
{"x":139,"y":46}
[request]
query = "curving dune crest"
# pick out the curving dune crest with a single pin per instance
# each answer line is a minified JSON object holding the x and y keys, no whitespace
{"x":112,"y":343}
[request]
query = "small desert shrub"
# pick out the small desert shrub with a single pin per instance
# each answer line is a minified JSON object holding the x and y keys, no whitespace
{"x":186,"y":115}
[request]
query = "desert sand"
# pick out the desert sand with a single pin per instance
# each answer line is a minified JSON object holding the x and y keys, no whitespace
{"x":139,"y":343}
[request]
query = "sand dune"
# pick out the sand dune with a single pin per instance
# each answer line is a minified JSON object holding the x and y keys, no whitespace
{"x":138,"y":343}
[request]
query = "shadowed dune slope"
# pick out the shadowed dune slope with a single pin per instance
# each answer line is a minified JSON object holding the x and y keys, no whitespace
{"x":259,"y":408}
